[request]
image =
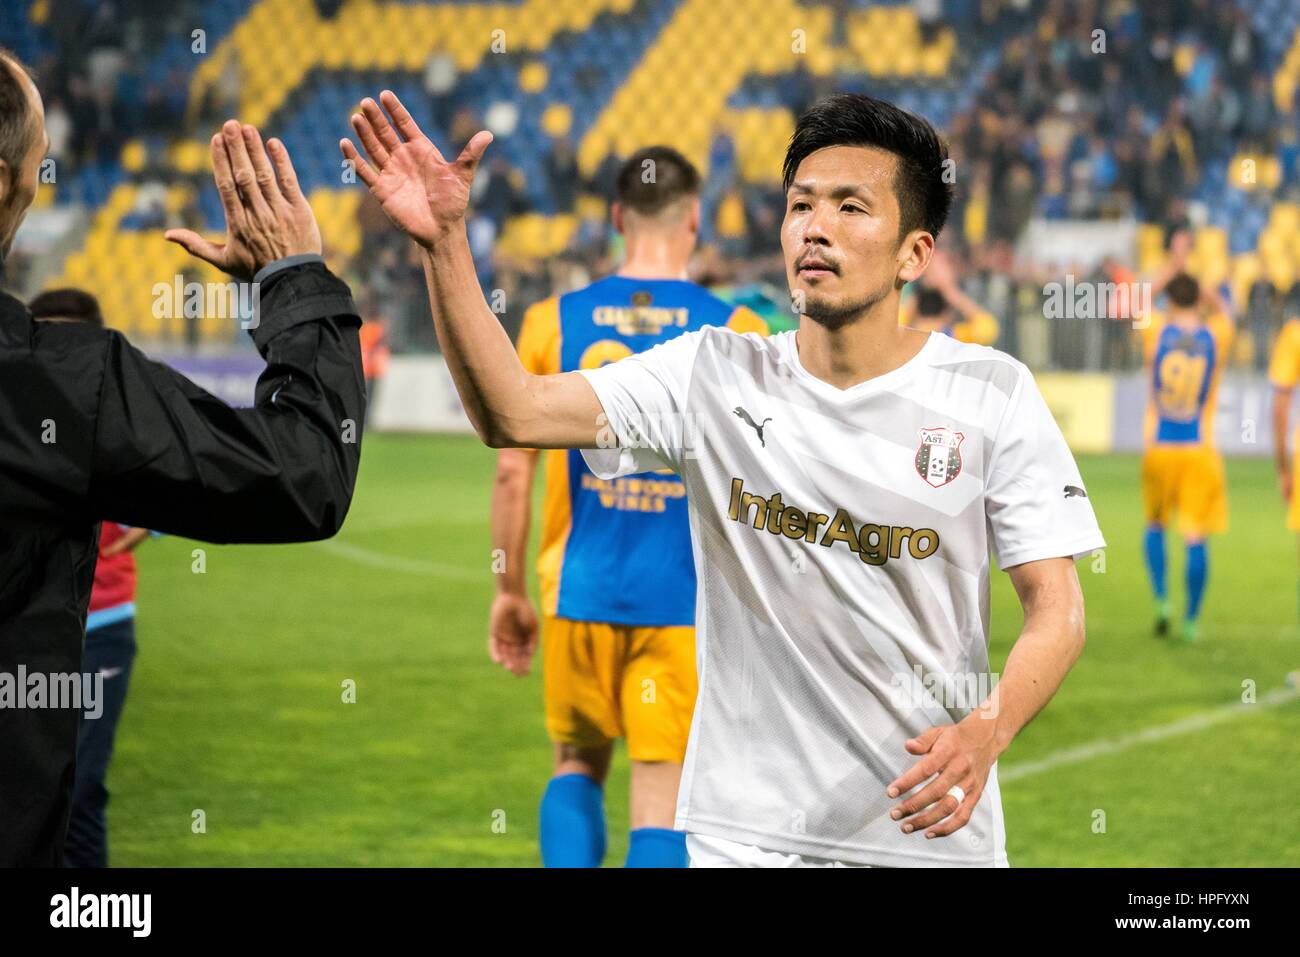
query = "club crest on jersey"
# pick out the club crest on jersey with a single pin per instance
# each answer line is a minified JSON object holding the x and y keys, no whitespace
{"x":938,"y":460}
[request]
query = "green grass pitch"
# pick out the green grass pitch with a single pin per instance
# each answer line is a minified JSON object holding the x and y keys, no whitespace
{"x":236,"y":704}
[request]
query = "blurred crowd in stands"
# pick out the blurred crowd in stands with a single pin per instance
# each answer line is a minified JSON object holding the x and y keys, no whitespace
{"x":1058,"y":127}
{"x":96,"y":96}
{"x":1053,"y":131}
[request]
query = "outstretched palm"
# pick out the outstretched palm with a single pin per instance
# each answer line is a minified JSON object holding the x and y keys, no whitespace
{"x":420,"y":191}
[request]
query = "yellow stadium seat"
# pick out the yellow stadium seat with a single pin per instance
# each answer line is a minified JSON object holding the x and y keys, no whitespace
{"x":934,"y":61}
{"x":533,"y":77}
{"x":134,"y":156}
{"x":1285,"y":217}
{"x":591,"y":206}
{"x":1245,"y":269}
{"x":1272,"y":243}
{"x":557,"y":119}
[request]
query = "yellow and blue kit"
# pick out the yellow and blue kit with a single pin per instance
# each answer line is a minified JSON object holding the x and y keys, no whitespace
{"x":1182,"y":472}
{"x":615,"y":566}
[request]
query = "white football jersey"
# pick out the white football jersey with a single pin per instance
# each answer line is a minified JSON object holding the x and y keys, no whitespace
{"x":842,"y":542}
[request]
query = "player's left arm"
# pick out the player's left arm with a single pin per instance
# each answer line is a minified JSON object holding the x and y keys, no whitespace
{"x":962,"y":754}
{"x":1040,"y":520}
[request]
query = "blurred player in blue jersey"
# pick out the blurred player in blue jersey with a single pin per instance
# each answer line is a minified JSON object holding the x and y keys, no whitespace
{"x":1185,"y":348}
{"x":616,"y":571}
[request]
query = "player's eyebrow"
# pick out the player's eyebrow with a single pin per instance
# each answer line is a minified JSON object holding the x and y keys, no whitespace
{"x":836,"y":192}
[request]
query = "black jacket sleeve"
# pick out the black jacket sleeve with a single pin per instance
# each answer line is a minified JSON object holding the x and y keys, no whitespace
{"x":169,"y":456}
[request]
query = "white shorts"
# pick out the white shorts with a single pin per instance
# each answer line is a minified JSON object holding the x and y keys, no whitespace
{"x":706,"y":851}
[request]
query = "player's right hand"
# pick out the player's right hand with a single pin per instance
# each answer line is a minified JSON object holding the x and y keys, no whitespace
{"x":422,"y":193}
{"x":1286,"y":480}
{"x":512,"y":632}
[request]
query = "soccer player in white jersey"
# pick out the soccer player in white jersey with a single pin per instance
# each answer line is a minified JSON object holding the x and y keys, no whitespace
{"x":847,"y":482}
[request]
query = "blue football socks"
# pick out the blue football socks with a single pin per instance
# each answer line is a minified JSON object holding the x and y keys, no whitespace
{"x":573,"y":822}
{"x":656,"y":847}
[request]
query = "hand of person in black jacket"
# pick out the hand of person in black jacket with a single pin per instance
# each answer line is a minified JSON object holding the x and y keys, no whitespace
{"x":267,"y":216}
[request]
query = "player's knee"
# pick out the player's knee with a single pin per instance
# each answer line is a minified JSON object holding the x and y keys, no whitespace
{"x":588,"y":760}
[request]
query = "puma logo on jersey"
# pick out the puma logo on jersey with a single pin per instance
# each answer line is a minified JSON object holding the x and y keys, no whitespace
{"x":756,"y":427}
{"x":1073,"y":491}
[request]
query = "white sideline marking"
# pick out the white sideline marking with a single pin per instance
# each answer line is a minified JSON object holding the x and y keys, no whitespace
{"x":1195,"y":722}
{"x":414,"y":566}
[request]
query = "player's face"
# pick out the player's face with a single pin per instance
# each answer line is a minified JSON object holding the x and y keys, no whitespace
{"x":18,"y":187}
{"x":840,"y":234}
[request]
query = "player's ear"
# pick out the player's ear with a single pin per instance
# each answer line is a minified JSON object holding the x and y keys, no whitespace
{"x":914,"y":255}
{"x":616,"y":216}
{"x":6,"y":180}
{"x":695,"y":216}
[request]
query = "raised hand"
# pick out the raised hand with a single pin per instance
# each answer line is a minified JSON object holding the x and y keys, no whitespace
{"x":422,"y":193}
{"x":267,"y":216}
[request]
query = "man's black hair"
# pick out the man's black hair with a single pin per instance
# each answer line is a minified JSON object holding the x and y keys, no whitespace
{"x":1183,"y":291}
{"x":855,"y":119}
{"x":655,"y":177}
{"x":930,"y":302}
{"x":72,"y":304}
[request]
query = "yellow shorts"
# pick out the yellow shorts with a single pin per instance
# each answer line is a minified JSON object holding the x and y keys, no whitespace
{"x":611,"y":681}
{"x":1187,"y":481}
